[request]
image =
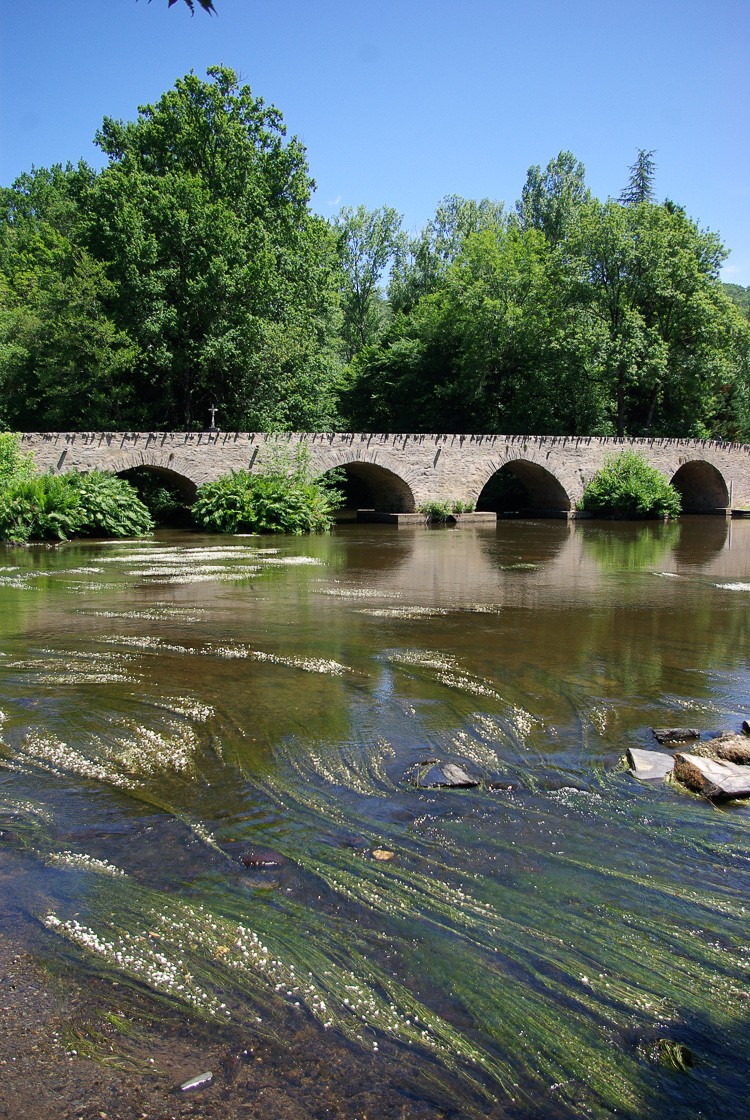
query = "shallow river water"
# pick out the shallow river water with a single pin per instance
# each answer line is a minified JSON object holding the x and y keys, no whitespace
{"x":205,"y":791}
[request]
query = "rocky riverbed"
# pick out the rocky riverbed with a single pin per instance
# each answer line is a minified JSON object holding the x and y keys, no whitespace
{"x":93,"y":1050}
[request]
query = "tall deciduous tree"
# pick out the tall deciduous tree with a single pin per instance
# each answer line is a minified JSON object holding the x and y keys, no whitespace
{"x":551,"y":198}
{"x":420,"y":269}
{"x":676,"y":349}
{"x":225,"y":280}
{"x":63,"y":361}
{"x":495,"y":347}
{"x":369,"y":240}
{"x":577,"y":317}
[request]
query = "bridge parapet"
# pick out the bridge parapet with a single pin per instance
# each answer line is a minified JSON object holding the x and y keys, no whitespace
{"x":403,"y":470}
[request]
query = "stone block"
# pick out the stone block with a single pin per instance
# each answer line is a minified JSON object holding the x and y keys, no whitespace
{"x":713,"y":777}
{"x":649,"y":766}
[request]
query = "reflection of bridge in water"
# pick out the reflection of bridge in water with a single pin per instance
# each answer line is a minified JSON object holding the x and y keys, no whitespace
{"x":397,"y":473}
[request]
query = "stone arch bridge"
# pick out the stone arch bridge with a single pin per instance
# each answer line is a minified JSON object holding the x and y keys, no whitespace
{"x":399,"y":472}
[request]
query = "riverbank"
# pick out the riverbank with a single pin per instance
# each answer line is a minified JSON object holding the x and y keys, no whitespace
{"x":85,"y":1048}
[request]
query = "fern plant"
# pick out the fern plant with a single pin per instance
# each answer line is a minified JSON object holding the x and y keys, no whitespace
{"x":109,"y":506}
{"x":265,"y":503}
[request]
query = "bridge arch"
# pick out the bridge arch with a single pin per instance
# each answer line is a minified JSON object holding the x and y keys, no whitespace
{"x":369,"y":485}
{"x":521,"y":484}
{"x":701,"y":487}
{"x":173,"y":479}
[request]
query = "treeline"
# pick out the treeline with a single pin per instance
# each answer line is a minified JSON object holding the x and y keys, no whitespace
{"x":191,"y":271}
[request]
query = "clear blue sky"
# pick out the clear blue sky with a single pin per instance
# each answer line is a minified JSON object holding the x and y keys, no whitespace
{"x":401,"y":102}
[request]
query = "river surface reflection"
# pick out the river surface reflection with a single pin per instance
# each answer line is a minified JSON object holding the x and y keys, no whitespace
{"x":205,"y":791}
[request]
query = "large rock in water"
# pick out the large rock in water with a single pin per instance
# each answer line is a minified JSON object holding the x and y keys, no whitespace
{"x":675,"y":734}
{"x":649,"y":766}
{"x":443,"y":775}
{"x":728,"y":745}
{"x":713,"y":777}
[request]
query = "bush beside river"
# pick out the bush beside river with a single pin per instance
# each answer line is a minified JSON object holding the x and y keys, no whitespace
{"x":286,"y":498}
{"x":57,"y":507}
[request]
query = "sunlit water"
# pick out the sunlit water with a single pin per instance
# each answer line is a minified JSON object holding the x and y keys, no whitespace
{"x":178,"y":708}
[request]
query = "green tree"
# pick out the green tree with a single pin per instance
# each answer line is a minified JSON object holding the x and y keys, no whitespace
{"x":368,"y":241}
{"x":673,"y":358}
{"x":225,"y":281}
{"x":496,"y":347}
{"x":189,"y":272}
{"x":550,"y":199}
{"x":640,"y":186}
{"x":422,"y":267}
{"x":63,"y":361}
{"x":739,"y":296}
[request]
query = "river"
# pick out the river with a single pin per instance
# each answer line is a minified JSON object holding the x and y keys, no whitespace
{"x":209,"y":747}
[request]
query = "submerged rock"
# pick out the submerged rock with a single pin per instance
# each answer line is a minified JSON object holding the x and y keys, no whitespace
{"x":675,"y":734}
{"x":729,"y":746}
{"x":352,"y":840}
{"x":261,"y":857}
{"x":713,"y":777}
{"x":448,"y":775}
{"x":650,"y":766}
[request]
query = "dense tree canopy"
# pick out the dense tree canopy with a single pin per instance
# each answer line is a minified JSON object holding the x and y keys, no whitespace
{"x":192,"y":272}
{"x":194,"y":260}
{"x":570,"y":315}
{"x":550,"y":199}
{"x":739,"y":296}
{"x":673,"y":347}
{"x":63,"y":359}
{"x":421,"y":267}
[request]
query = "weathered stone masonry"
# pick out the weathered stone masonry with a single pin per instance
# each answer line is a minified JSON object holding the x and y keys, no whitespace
{"x":403,"y":470}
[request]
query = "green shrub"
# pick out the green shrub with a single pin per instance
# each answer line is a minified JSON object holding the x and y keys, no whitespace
{"x":284,"y":499}
{"x":56,"y":507}
{"x":109,"y":506}
{"x":442,"y":511}
{"x":437,"y":511}
{"x":14,"y":464}
{"x":628,"y":487}
{"x":42,"y":508}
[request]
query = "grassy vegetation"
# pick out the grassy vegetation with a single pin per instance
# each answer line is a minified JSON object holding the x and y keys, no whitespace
{"x":442,"y":512}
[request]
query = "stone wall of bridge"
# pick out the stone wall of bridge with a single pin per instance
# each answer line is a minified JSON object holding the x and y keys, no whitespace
{"x":401,"y":471}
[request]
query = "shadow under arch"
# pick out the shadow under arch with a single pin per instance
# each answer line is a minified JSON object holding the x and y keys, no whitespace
{"x":369,"y":486}
{"x":173,"y":480}
{"x":523,"y":487}
{"x":701,"y":488}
